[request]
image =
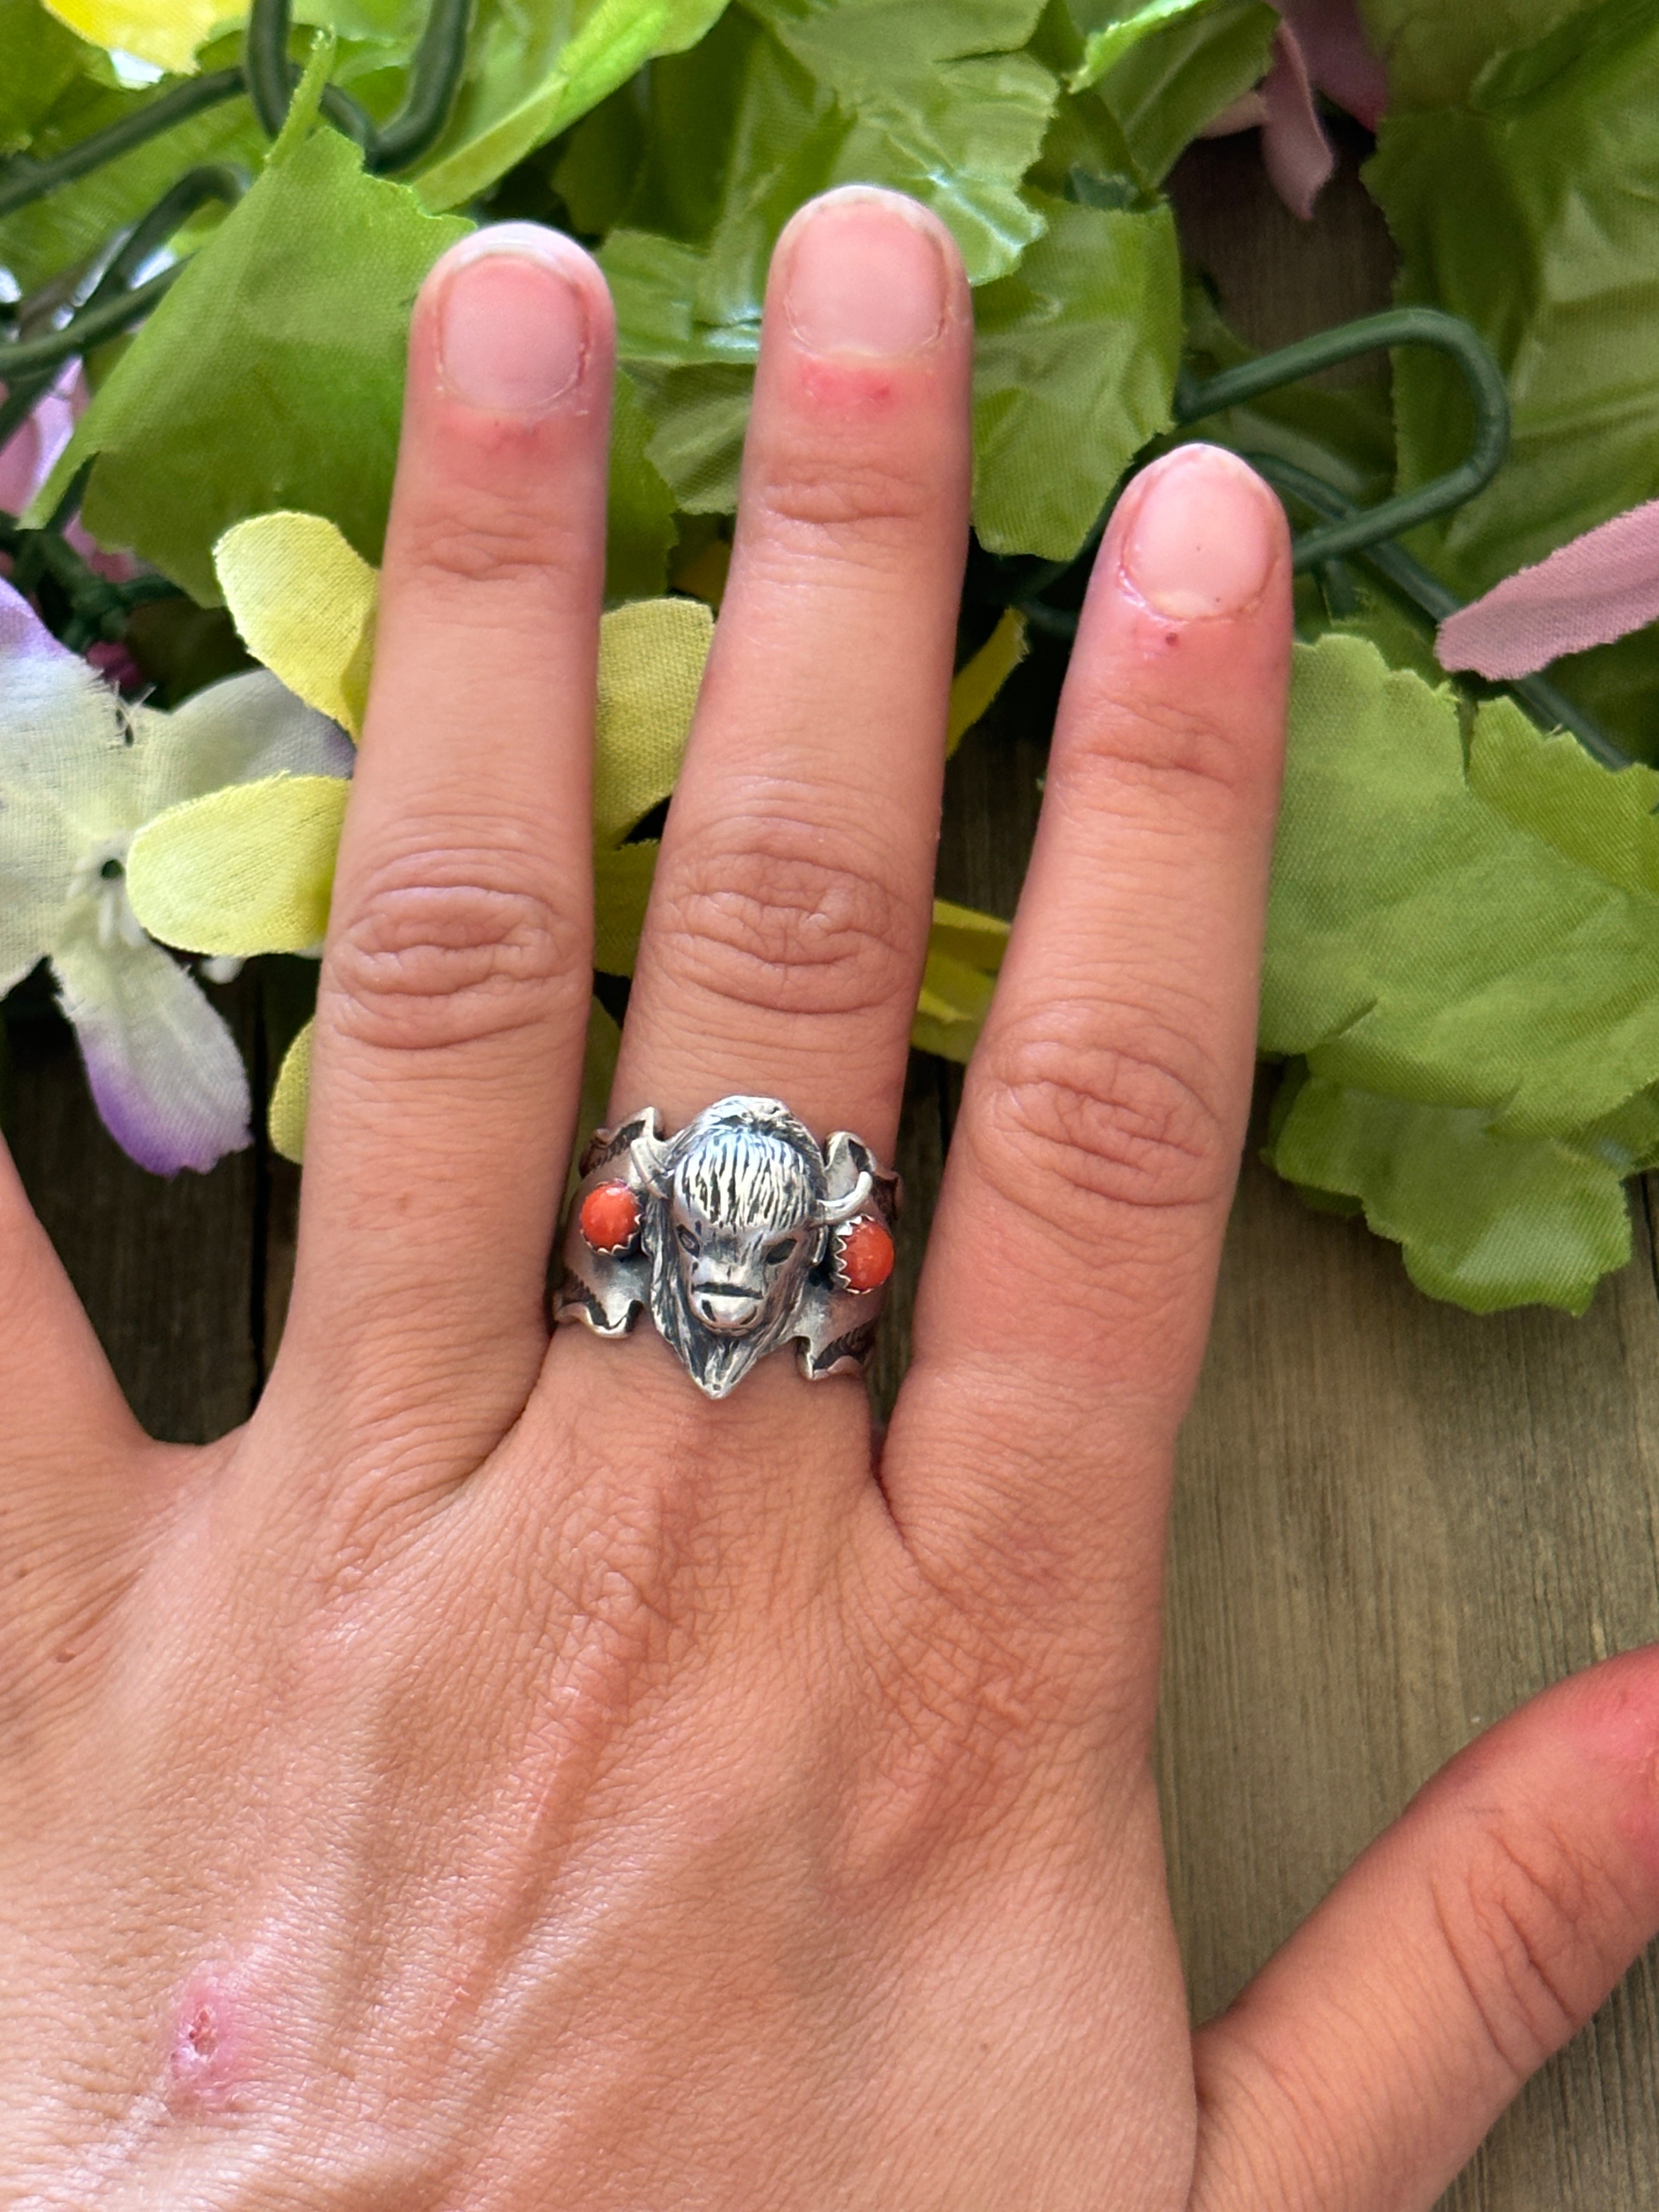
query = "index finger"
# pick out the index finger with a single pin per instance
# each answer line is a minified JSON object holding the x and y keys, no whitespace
{"x":1067,"y":1296}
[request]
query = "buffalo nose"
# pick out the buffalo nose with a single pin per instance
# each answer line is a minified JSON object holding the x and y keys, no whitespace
{"x":727,"y":1307}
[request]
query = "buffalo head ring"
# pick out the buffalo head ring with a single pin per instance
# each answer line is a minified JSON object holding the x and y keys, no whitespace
{"x":741,"y":1233}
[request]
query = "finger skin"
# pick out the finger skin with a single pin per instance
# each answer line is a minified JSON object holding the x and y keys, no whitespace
{"x":1361,"y":2068}
{"x":787,"y":927}
{"x":456,"y":980}
{"x":1066,"y":1295}
{"x":68,"y":1426}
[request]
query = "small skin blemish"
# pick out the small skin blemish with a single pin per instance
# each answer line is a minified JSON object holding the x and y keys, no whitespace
{"x":846,"y":386}
{"x":209,"y":2049}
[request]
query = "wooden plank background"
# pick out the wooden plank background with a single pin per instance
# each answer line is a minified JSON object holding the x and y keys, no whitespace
{"x":1393,"y":1522}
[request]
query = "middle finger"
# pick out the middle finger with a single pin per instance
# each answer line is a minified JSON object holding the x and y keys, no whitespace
{"x":788,"y":922}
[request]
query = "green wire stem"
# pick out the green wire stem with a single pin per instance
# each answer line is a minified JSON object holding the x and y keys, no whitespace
{"x":267,"y":76}
{"x":1359,"y":527}
{"x":434,"y":77}
{"x":1550,"y":709}
{"x":116,"y":303}
{"x":23,"y":180}
{"x":1398,"y":326}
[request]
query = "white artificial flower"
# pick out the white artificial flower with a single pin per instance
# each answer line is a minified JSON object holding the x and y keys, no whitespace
{"x":80,"y":772}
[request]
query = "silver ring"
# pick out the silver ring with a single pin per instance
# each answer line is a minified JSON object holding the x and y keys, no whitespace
{"x":739,"y":1234}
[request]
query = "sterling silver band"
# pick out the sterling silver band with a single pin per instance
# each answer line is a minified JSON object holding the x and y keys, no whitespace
{"x":740,"y":1233}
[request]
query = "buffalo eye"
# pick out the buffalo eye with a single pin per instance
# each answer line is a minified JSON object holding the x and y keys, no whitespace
{"x":688,"y":1241}
{"x":777,"y":1254}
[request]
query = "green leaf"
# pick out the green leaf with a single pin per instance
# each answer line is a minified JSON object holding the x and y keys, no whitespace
{"x":1485,"y":1220}
{"x":700,"y":416}
{"x":271,"y":375}
{"x":39,"y":61}
{"x":944,"y":104}
{"x":1179,"y":75}
{"x":655,"y":283}
{"x":1072,"y":373}
{"x":639,"y":524}
{"x":1528,"y":209}
{"x":1478,"y":931}
{"x":533,"y":71}
{"x":1435,"y":49}
{"x":58,"y":232}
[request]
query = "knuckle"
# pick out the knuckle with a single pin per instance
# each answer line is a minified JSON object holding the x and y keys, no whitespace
{"x":1519,"y":1929}
{"x":772,"y":924}
{"x":1127,"y":1118}
{"x":859,"y":504}
{"x":441,"y":954}
{"x":494,"y":540}
{"x":1175,"y":747}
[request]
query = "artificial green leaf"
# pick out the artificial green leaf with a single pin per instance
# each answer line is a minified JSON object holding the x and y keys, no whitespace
{"x":39,"y":61}
{"x":1528,"y":209}
{"x":1178,"y":76}
{"x":1452,"y":931}
{"x":1485,"y":1220}
{"x":690,"y":110}
{"x":1072,"y":373}
{"x":1435,"y":49}
{"x":622,"y":889}
{"x":53,"y":233}
{"x":597,"y":169}
{"x":1618,"y":684}
{"x":271,"y":375}
{"x":655,"y":283}
{"x":639,"y":524}
{"x":531,"y":72}
{"x":946,"y":105}
{"x":700,"y":416}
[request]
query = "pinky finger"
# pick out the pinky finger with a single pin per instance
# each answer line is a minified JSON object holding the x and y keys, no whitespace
{"x":1361,"y":2068}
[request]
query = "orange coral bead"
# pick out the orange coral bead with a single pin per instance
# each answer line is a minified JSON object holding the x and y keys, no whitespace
{"x":610,"y":1217}
{"x":865,"y":1259}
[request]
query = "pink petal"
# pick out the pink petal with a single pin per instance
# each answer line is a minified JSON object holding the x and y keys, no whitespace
{"x":1587,"y":592}
{"x":1332,"y":41}
{"x":1296,"y":154}
{"x":28,"y":456}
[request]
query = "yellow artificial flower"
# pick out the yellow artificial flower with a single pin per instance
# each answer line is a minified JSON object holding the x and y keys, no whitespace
{"x":165,"y":32}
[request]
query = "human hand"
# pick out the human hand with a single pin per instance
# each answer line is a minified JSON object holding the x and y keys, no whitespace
{"x":498,"y":1777}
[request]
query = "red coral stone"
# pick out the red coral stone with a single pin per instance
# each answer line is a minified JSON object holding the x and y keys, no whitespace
{"x":610,"y":1217}
{"x":865,"y":1259}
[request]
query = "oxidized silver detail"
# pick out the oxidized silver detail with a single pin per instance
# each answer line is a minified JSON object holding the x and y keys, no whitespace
{"x":735,"y":1245}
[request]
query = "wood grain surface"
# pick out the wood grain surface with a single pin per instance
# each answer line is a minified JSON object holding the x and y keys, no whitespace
{"x":1393,"y":1521}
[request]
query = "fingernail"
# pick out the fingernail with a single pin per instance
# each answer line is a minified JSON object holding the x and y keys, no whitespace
{"x":1202,"y":539}
{"x":866,"y":273}
{"x":513,"y":326}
